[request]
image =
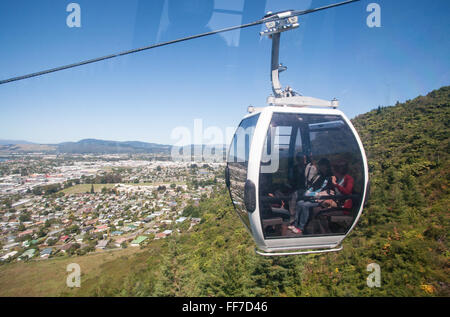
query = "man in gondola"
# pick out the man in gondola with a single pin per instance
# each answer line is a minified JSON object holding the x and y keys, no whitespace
{"x":319,"y":187}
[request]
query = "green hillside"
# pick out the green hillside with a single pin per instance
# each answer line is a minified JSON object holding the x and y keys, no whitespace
{"x":403,"y":229}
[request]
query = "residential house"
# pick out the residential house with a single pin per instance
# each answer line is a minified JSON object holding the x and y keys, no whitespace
{"x":180,"y":220}
{"x":136,"y":242}
{"x":24,"y":233}
{"x":102,"y":244}
{"x":101,"y":228}
{"x":10,"y":246}
{"x":28,"y":254}
{"x":8,"y":255}
{"x":46,"y":252}
{"x":119,"y":241}
{"x":66,"y":247}
{"x":160,"y":235}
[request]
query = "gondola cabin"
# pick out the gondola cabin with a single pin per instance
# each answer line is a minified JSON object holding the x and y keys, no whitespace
{"x":268,"y":162}
{"x":296,"y":169}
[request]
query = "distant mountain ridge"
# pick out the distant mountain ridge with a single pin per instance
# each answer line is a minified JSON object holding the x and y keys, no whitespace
{"x":84,"y":146}
{"x":95,"y":146}
{"x":105,"y":146}
{"x":13,"y":142}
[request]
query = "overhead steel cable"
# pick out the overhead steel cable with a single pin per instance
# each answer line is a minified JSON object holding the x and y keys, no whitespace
{"x":94,"y":60}
{"x":303,"y":12}
{"x":98,"y":59}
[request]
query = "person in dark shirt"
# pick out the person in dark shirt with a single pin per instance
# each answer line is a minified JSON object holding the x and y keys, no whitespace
{"x":298,"y":180}
{"x":319,"y":186}
{"x":311,"y":173}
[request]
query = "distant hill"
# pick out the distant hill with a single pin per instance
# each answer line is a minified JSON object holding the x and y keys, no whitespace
{"x":85,"y":146}
{"x":107,"y":147}
{"x":95,"y":146}
{"x":29,"y":147}
{"x":9,"y":142}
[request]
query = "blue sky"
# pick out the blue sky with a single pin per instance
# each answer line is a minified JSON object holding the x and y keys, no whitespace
{"x":145,"y":96}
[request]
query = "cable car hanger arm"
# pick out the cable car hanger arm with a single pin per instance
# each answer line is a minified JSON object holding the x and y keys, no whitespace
{"x":269,"y":18}
{"x":286,"y":21}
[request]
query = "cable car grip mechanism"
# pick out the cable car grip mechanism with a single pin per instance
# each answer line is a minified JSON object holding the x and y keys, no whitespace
{"x":277,"y":23}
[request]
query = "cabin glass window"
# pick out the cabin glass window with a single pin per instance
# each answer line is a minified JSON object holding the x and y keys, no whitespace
{"x":237,"y":164}
{"x":302,"y":155}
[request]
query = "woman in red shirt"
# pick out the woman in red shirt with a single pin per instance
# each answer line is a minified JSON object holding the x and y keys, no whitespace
{"x":342,"y":182}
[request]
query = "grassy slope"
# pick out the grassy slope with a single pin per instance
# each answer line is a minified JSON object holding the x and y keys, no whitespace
{"x":403,"y":229}
{"x":86,"y":188}
{"x":48,"y":277}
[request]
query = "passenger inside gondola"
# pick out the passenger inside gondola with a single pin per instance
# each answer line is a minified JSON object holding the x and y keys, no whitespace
{"x":279,"y":205}
{"x":284,"y":199}
{"x":342,"y":182}
{"x":316,"y":186}
{"x":321,"y":185}
{"x":311,"y":172}
{"x":298,"y":182}
{"x":340,"y":207}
